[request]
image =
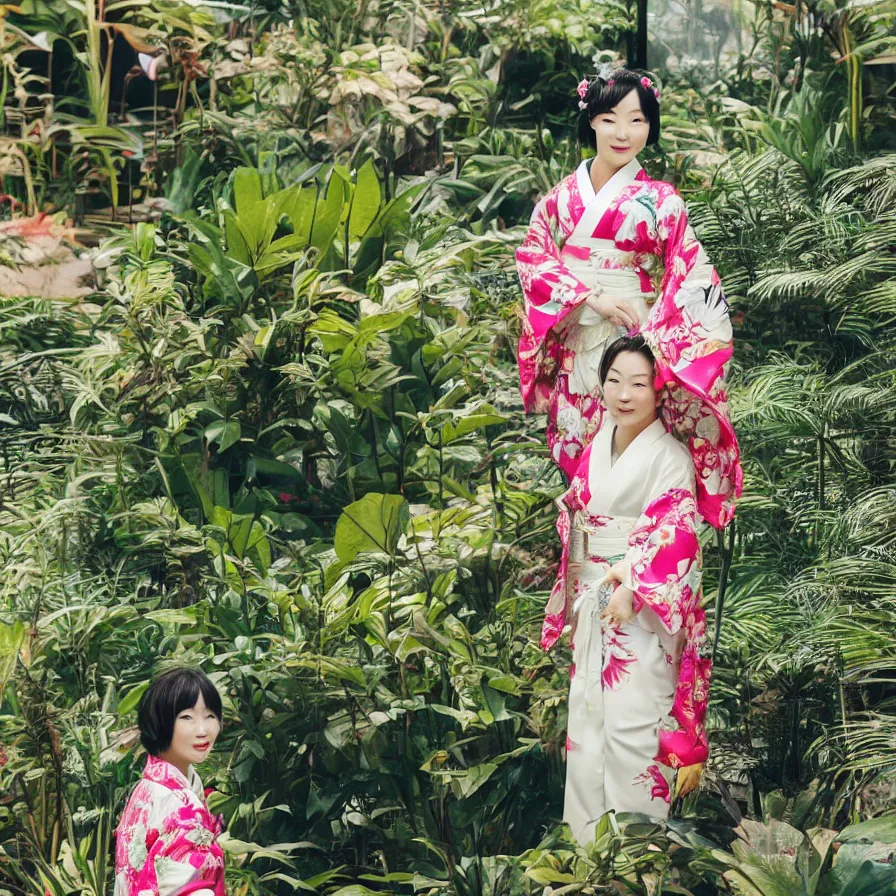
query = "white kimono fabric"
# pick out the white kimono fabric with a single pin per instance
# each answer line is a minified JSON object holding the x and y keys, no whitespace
{"x":624,"y":677}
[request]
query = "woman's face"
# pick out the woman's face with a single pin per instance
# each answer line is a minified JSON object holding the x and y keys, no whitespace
{"x":195,"y":733}
{"x":622,"y":131}
{"x":629,"y":393}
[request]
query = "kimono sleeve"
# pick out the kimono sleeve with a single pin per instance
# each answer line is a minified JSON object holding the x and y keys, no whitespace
{"x":188,"y":860}
{"x":666,"y":571}
{"x":665,"y":562}
{"x":685,"y":742}
{"x":550,"y":292}
{"x":689,"y":331}
{"x":694,"y":308}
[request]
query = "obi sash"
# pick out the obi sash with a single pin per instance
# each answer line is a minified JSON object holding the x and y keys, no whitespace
{"x":586,"y":332}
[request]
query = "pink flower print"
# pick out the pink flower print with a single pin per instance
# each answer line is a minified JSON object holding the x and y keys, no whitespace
{"x":570,"y":746}
{"x":552,"y":629}
{"x":617,"y":658}
{"x":659,"y":786}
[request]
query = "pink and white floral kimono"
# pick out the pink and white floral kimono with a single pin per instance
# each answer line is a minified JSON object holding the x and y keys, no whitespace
{"x":638,"y":691}
{"x":167,"y":840}
{"x":633,"y":241}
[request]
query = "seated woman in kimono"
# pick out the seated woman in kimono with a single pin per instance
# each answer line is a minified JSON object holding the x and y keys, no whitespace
{"x":167,"y":841}
{"x":629,"y":587}
{"x":610,"y":250}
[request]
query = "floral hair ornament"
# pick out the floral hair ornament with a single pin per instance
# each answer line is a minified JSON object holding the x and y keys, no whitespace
{"x":647,"y":84}
{"x":581,"y":90}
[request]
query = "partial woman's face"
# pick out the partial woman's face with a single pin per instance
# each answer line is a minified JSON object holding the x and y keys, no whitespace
{"x":622,"y":131}
{"x":629,"y":393}
{"x":195,"y":732}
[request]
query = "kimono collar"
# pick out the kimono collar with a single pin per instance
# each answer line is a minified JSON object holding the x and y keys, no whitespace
{"x":161,"y":772}
{"x":643,"y":439}
{"x":608,"y":481}
{"x":626,"y":175}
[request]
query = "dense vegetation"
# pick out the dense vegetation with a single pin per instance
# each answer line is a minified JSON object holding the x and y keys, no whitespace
{"x":283,"y":439}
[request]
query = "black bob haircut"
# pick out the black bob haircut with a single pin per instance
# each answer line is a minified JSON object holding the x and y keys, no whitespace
{"x":168,"y":696}
{"x":603,"y":95}
{"x":635,"y":344}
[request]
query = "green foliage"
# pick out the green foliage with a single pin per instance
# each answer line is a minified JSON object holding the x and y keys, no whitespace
{"x":284,"y":441}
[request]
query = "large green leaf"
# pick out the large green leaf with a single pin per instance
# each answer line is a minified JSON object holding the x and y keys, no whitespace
{"x":327,"y":214}
{"x":366,"y":201}
{"x":132,"y":698}
{"x":247,"y":192}
{"x":246,"y":536}
{"x":236,"y":242}
{"x":298,"y":204}
{"x":12,"y":637}
{"x":863,"y":870}
{"x":224,"y":432}
{"x":876,"y":830}
{"x":484,"y":416}
{"x":375,"y":523}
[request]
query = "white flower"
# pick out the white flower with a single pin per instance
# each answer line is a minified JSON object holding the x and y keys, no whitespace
{"x":200,"y":836}
{"x":137,"y":846}
{"x":168,"y":868}
{"x":569,"y":420}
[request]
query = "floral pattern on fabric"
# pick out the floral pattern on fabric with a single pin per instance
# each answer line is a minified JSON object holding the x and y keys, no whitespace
{"x":665,"y":559}
{"x":615,"y":652}
{"x":617,"y":657}
{"x":167,"y":840}
{"x":656,"y":781}
{"x":688,"y":329}
{"x":666,"y":573}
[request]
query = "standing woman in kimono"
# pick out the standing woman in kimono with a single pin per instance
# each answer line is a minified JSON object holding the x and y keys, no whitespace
{"x":167,"y":840}
{"x":610,"y":250}
{"x":629,"y":587}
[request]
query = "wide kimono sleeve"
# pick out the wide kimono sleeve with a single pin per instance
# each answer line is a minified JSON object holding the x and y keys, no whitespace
{"x":576,"y":497}
{"x":550,"y":292}
{"x":691,"y":337}
{"x":187,"y":858}
{"x":665,"y":575}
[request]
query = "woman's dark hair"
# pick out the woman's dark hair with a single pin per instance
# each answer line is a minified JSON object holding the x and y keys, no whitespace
{"x":606,"y":92}
{"x":635,"y":344}
{"x":168,"y":696}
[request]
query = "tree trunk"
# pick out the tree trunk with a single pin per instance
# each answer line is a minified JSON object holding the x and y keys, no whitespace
{"x":641,"y":37}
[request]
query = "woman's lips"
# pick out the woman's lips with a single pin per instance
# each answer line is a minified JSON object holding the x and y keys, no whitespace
{"x":201,"y":747}
{"x":625,"y":410}
{"x":620,"y":148}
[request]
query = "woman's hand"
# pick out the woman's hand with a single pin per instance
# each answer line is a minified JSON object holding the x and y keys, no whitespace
{"x":617,"y":311}
{"x":688,"y":779}
{"x":619,"y":609}
{"x":618,"y":572}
